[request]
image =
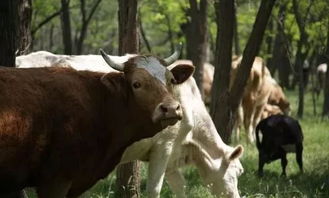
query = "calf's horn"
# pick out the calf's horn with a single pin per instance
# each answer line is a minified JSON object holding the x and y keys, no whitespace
{"x":110,"y":62}
{"x":169,"y":60}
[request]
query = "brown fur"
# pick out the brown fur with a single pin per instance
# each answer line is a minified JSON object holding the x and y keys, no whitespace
{"x":278,"y":98}
{"x":59,"y":125}
{"x":256,"y":94}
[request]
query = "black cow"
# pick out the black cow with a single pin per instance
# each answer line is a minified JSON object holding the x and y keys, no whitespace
{"x":281,"y":134}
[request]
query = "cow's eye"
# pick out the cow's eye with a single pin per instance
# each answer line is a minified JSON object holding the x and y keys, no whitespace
{"x":137,"y":85}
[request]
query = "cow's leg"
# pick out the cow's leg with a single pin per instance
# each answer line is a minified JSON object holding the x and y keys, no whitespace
{"x":261,"y":163}
{"x":176,"y":182}
{"x":284,"y":163}
{"x":247,"y":120}
{"x":256,"y":118}
{"x":53,"y":189}
{"x":299,"y":156}
{"x":157,"y":166}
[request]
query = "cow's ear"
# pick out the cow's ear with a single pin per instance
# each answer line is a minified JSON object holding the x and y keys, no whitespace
{"x":237,"y":152}
{"x":182,"y":72}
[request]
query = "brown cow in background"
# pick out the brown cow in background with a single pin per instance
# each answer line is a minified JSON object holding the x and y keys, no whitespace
{"x":62,"y":130}
{"x":255,"y":97}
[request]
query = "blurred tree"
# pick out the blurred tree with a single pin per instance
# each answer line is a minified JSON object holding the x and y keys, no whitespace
{"x":85,"y":20}
{"x":8,"y":33}
{"x":24,"y":38}
{"x":128,"y":175}
{"x":196,"y":32}
{"x":225,"y":102}
{"x":325,"y":111}
{"x":220,"y":108}
{"x":280,"y":57}
{"x":301,"y":53}
{"x":66,"y":27}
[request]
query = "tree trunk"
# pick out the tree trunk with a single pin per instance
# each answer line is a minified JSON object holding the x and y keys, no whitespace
{"x":226,"y":103}
{"x":8,"y":33}
{"x":325,"y":112}
{"x":128,"y":177}
{"x":220,"y":105}
{"x":300,"y":56}
{"x":66,"y":27}
{"x":196,"y":32}
{"x":24,"y":37}
{"x":85,"y":20}
{"x":237,"y":49}
{"x":280,"y":59}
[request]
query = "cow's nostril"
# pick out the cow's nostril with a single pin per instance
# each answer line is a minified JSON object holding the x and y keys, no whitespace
{"x":178,"y":107}
{"x":163,"y":108}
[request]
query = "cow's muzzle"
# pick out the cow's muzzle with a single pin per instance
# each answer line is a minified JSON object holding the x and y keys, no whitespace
{"x":168,"y":113}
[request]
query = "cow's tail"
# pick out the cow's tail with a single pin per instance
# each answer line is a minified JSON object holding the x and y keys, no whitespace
{"x":257,"y":136}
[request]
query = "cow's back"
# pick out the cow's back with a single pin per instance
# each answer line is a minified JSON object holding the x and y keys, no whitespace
{"x":45,"y":113}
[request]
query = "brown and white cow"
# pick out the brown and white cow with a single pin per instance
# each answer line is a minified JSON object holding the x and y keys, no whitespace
{"x":62,"y":130}
{"x":194,"y":138}
{"x":255,"y":95}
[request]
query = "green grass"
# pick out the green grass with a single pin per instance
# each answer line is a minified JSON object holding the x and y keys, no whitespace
{"x":313,"y":183}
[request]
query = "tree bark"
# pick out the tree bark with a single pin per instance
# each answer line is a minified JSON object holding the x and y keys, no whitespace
{"x":226,"y":102}
{"x":300,"y":56}
{"x":237,"y":48}
{"x":196,"y":33}
{"x":24,"y":37}
{"x":66,"y":27}
{"x":128,"y":175}
{"x":325,"y":111}
{"x":280,"y":59}
{"x":85,"y":20}
{"x":220,"y":108}
{"x":8,"y":33}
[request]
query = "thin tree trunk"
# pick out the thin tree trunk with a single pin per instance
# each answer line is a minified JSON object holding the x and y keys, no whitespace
{"x":226,"y":103}
{"x":85,"y":20}
{"x":8,"y":27}
{"x":300,"y":56}
{"x":325,"y":111}
{"x":198,"y":38}
{"x":220,"y":105}
{"x":236,"y":35}
{"x":128,"y":175}
{"x":24,"y":37}
{"x":66,"y":27}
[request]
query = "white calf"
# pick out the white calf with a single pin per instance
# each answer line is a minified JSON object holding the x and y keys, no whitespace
{"x":192,"y":141}
{"x":79,"y":62}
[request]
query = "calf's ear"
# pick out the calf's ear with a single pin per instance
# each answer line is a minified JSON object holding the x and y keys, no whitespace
{"x":182,"y":72}
{"x":237,"y":152}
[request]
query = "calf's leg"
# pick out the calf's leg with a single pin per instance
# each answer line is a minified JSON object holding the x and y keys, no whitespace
{"x":299,"y":156}
{"x":284,"y":163}
{"x":261,"y":163}
{"x":157,"y":167}
{"x":176,"y":182}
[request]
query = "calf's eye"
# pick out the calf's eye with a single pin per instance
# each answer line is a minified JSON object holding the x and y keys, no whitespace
{"x":136,"y":85}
